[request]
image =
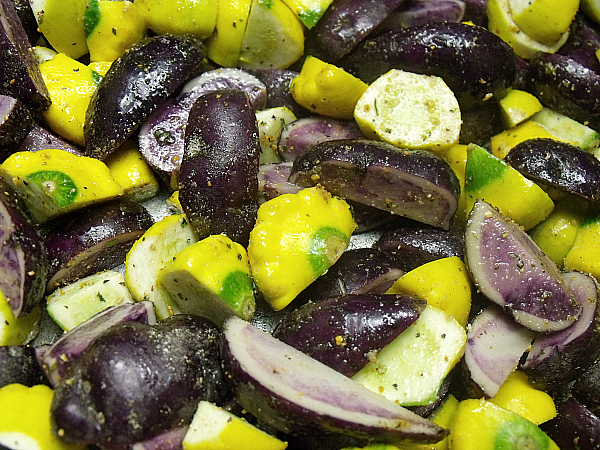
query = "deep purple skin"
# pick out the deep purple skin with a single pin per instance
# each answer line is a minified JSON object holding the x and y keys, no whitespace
{"x":413,"y":184}
{"x":302,"y":133}
{"x":558,"y":358}
{"x":575,"y":427}
{"x":342,"y":332}
{"x":163,"y":370}
{"x":27,"y":18}
{"x":273,"y":181}
{"x":476,"y":12}
{"x":218,"y":178}
{"x":23,"y":256}
{"x":56,"y":358}
{"x":288,"y":417}
{"x":478,"y":124}
{"x":587,"y":388}
{"x":20,"y":76}
{"x":421,"y":12}
{"x":368,"y":218}
{"x":15,"y":123}
{"x":357,"y":271}
{"x":345,"y":24}
{"x":510,"y":269}
{"x":278,"y":83}
{"x":169,"y":440}
{"x":567,"y":87}
{"x":412,"y":245}
{"x":583,"y":41}
{"x":39,"y":138}
{"x":18,"y":364}
{"x":93,"y":239}
{"x":475,"y":64}
{"x":558,"y":165}
{"x":134,"y":86}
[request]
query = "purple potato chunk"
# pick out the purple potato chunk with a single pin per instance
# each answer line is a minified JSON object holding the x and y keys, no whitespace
{"x":15,"y":123}
{"x":575,"y":427}
{"x":218,"y":179}
{"x":476,"y":12}
{"x":478,"y":124}
{"x":39,"y":138}
{"x":345,"y":332}
{"x":20,"y":76}
{"x":93,"y":240}
{"x":136,"y":381}
{"x":18,"y":364}
{"x":409,"y":183}
{"x":558,"y":358}
{"x":56,"y":358}
{"x":558,"y":165}
{"x":345,"y":24}
{"x":273,"y":181}
{"x":169,"y":440}
{"x":277,"y":82}
{"x":566,"y":86}
{"x":583,"y":41}
{"x":586,"y":388}
{"x":302,"y":133}
{"x":296,"y":394}
{"x":27,"y":18}
{"x":421,"y":12}
{"x":23,"y":256}
{"x":134,"y":86}
{"x":475,"y":64}
{"x":510,"y":269}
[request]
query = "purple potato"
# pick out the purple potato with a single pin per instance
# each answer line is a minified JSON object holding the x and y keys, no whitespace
{"x":345,"y":24}
{"x":296,"y":394}
{"x":566,"y":86}
{"x":278,"y":83}
{"x":23,"y":256}
{"x":273,"y":181}
{"x":93,"y":240}
{"x":421,"y":12}
{"x":575,"y":427}
{"x":345,"y":332}
{"x":368,"y":218}
{"x":558,"y":358}
{"x":134,"y":86}
{"x":476,"y":12}
{"x":302,"y":133}
{"x":56,"y":358}
{"x":586,"y":388}
{"x":495,"y":344}
{"x":169,"y":440}
{"x":583,"y":41}
{"x":18,"y":364}
{"x":478,"y":124}
{"x":475,"y":76}
{"x":558,"y":165}
{"x":409,"y":183}
{"x":15,"y":124}
{"x":218,"y":179}
{"x":510,"y":269}
{"x":27,"y":18}
{"x":39,"y":138}
{"x":20,"y":76}
{"x":136,"y":381}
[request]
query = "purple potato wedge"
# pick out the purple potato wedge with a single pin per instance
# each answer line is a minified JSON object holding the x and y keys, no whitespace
{"x":27,"y":18}
{"x":273,"y":181}
{"x":93,"y":240}
{"x":134,"y":86}
{"x":169,"y":440}
{"x":421,"y":12}
{"x":23,"y":256}
{"x":218,"y":178}
{"x":586,"y":388}
{"x":15,"y":124}
{"x":56,"y":358}
{"x":277,"y":82}
{"x":135,"y":381}
{"x":495,"y":344}
{"x":558,"y":358}
{"x":476,"y":75}
{"x":583,"y":41}
{"x":566,"y":86}
{"x":476,"y":12}
{"x":510,"y":269}
{"x":409,"y":183}
{"x":18,"y":364}
{"x":575,"y":427}
{"x":345,"y":332}
{"x":558,"y":165}
{"x":39,"y":138}
{"x":20,"y":76}
{"x":345,"y":24}
{"x":296,"y":394}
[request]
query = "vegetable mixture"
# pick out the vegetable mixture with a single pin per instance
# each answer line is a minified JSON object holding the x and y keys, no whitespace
{"x":303,"y":224}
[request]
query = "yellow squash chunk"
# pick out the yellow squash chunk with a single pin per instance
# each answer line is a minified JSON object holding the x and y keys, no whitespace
{"x":195,"y":17}
{"x":482,"y":425}
{"x":100,"y":67}
{"x":568,"y":130}
{"x":456,"y":157}
{"x":504,"y":141}
{"x":585,"y":253}
{"x":308,"y":11}
{"x":491,"y":179}
{"x":444,"y":283}
{"x":61,"y":23}
{"x":270,"y":125}
{"x":274,"y":36}
{"x":132,"y":172}
{"x":25,"y":419}
{"x":518,"y":395}
{"x":517,"y":106}
{"x":326,"y":89}
{"x":410,"y":110}
{"x":213,"y":428}
{"x":174,"y":204}
{"x":297,"y":237}
{"x":111,"y":27}
{"x":70,"y":85}
{"x":17,"y":331}
{"x":225,"y":44}
{"x":544,"y":20}
{"x":211,"y":278}
{"x":53,"y":182}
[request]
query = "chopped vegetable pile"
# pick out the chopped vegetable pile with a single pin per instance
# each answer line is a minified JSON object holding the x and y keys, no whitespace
{"x":303,"y":224}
